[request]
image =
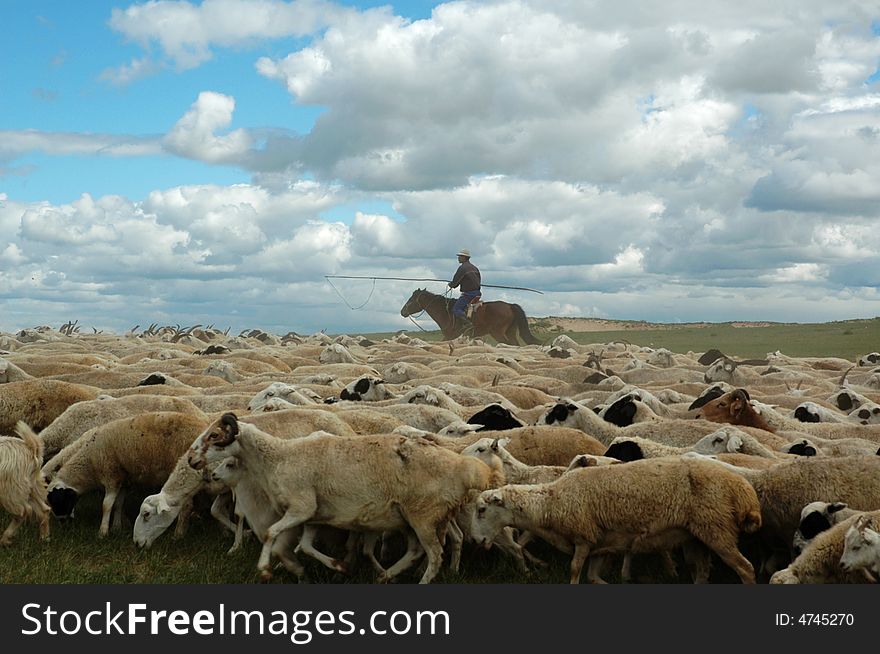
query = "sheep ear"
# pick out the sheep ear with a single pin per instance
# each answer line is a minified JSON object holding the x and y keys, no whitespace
{"x":834,"y":507}
{"x":504,"y":442}
{"x":734,"y":443}
{"x":162,"y":505}
{"x":495,"y":444}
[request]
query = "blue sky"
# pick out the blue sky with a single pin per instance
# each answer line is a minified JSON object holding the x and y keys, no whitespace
{"x":704,"y":162}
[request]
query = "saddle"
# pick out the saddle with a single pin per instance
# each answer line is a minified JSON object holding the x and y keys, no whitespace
{"x":472,"y":307}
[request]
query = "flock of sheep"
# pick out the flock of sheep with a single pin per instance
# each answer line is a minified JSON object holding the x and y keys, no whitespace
{"x":606,"y":451}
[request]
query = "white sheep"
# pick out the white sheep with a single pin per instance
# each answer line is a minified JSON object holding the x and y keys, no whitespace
{"x":78,"y":418}
{"x":143,"y":450}
{"x":862,"y":545}
{"x":815,"y":446}
{"x":817,"y":517}
{"x":372,"y":483}
{"x":603,"y":509}
{"x":515,"y":471}
{"x":174,"y":501}
{"x":252,"y":504}
{"x":22,"y":489}
{"x":337,"y":353}
{"x":820,"y":562}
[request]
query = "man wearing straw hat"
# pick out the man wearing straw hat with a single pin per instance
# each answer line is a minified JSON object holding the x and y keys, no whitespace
{"x":468,"y":278}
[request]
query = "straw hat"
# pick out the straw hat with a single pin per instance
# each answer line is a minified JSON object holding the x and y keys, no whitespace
{"x":464,"y":253}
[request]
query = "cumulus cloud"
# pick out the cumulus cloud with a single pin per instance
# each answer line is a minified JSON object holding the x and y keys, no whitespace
{"x":187,"y":32}
{"x":193,"y":135}
{"x":690,"y":160}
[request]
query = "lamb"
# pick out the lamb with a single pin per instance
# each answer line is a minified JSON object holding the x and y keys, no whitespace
{"x":861,"y":549}
{"x":609,"y":508}
{"x":38,"y":402}
{"x":142,"y":450}
{"x":252,"y":504}
{"x":22,"y":489}
{"x":820,"y":562}
{"x":387,"y":483}
{"x":817,"y":517}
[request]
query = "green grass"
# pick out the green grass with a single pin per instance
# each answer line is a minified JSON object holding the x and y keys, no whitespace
{"x":847,"y":339}
{"x":75,"y":555}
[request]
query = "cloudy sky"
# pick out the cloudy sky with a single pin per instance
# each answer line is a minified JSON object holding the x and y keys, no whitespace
{"x":209,"y":162}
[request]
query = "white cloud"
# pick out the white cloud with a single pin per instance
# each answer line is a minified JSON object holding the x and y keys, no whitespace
{"x":687,"y":160}
{"x":187,"y":32}
{"x":193,"y":135}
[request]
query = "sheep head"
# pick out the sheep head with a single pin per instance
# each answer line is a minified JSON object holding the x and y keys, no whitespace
{"x":215,"y":442}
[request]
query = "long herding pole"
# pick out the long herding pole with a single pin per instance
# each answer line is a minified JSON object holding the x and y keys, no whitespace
{"x":417,"y":279}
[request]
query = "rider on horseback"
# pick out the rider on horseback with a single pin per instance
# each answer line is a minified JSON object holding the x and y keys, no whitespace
{"x":468,"y":277}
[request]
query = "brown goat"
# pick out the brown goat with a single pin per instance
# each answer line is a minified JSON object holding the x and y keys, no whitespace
{"x":734,"y":408}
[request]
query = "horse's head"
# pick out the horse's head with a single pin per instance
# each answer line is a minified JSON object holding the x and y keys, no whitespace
{"x":413,"y":304}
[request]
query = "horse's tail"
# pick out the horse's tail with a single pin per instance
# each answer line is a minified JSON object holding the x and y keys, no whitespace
{"x":522,"y":325}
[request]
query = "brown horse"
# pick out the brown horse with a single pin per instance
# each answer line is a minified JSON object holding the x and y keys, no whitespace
{"x":501,"y":320}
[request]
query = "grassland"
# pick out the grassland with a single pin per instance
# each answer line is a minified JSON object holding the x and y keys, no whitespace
{"x":75,"y":554}
{"x":848,"y":339}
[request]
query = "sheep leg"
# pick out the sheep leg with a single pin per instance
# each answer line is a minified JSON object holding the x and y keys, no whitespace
{"x":369,"y":550}
{"x":626,"y":568}
{"x":581,"y":552}
{"x":594,"y":570}
{"x":106,"y":509}
{"x":367,"y":544}
{"x":183,"y":518}
{"x":507,"y":544}
{"x":723,"y":543}
{"x":118,"y":515}
{"x":524,"y":539}
{"x":455,"y":535}
{"x":698,"y":561}
{"x":10,"y":530}
{"x":413,"y":553}
{"x":281,"y":549}
{"x":239,"y":535}
{"x":306,"y":546}
{"x":220,"y":510}
{"x":427,"y":533}
{"x":296,"y":514}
